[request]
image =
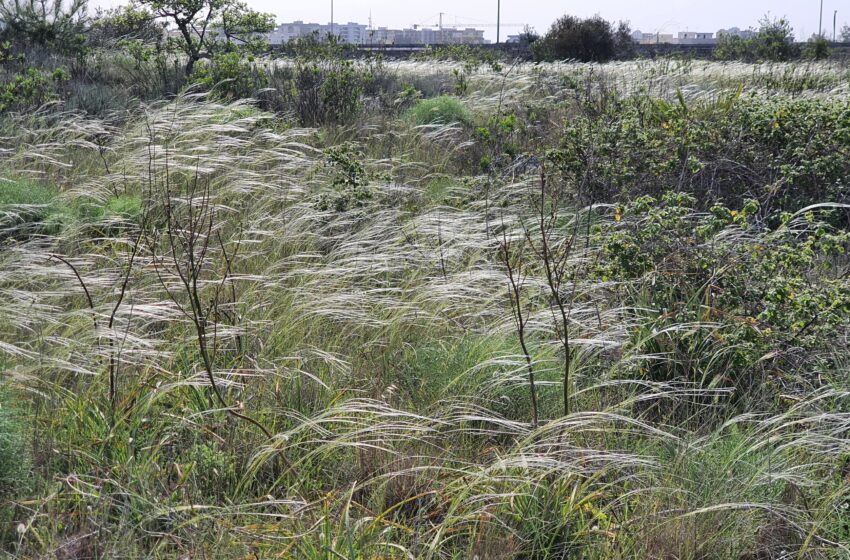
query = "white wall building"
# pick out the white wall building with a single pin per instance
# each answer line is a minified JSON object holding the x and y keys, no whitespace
{"x":652,"y":38}
{"x":356,"y":33}
{"x":347,"y":32}
{"x":694,"y":38}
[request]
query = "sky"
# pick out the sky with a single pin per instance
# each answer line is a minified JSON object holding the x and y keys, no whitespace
{"x":649,"y":16}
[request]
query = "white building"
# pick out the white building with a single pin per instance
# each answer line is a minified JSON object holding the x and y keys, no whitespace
{"x":357,"y":34}
{"x":652,"y":38}
{"x":347,"y":32}
{"x":694,"y":38}
{"x":426,"y":36}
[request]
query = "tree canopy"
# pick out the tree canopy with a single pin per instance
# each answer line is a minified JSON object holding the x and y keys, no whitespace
{"x":209,"y":26}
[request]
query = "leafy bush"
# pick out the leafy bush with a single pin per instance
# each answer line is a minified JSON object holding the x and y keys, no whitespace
{"x":740,"y":294}
{"x":817,"y":49}
{"x":795,"y":150}
{"x":440,"y":110}
{"x":774,"y":41}
{"x":349,"y":183}
{"x":322,"y":87}
{"x":588,"y":40}
{"x":29,"y":89}
{"x":230,"y":75}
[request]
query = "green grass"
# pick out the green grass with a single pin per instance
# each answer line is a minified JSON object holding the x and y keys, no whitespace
{"x":18,"y":192}
{"x":15,"y":457}
{"x":27,"y":207}
{"x":440,"y":110}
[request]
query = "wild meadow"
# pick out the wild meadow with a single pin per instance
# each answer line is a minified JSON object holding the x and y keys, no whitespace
{"x":318,"y":308}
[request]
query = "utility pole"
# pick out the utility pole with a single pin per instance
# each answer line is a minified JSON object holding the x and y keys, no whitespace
{"x":332,"y":17}
{"x":498,"y":20}
{"x":820,"y":22}
{"x":834,"y":24}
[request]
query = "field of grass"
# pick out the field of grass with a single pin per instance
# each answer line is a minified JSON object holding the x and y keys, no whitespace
{"x":562,"y":311}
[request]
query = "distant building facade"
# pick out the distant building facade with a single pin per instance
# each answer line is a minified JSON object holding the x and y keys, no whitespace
{"x":693,"y":38}
{"x":683,"y":38}
{"x":357,"y":34}
{"x":350,"y":32}
{"x":652,"y":38}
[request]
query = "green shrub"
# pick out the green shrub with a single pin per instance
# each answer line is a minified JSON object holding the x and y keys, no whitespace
{"x":588,"y":40}
{"x":327,"y":88}
{"x":350,"y":188}
{"x":212,"y":468}
{"x":440,"y":110}
{"x":774,"y":41}
{"x":28,"y":89}
{"x":740,"y":294}
{"x":230,"y":75}
{"x":817,"y":49}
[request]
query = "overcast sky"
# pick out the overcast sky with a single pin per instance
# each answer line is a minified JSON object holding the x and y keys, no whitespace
{"x":645,"y":15}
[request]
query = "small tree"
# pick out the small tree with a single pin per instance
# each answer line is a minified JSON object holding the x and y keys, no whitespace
{"x":58,"y":24}
{"x":528,"y":36}
{"x":588,"y":40}
{"x":817,"y":48}
{"x":623,"y":41}
{"x":845,"y":34}
{"x":774,"y":41}
{"x":210,"y":26}
{"x":125,"y":23}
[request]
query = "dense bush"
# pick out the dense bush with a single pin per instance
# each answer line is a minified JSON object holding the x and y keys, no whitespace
{"x":322,"y":87}
{"x":773,"y":41}
{"x":30,"y":88}
{"x":762,"y":288}
{"x":817,"y":49}
{"x":230,"y":75}
{"x":786,"y":151}
{"x":588,"y":40}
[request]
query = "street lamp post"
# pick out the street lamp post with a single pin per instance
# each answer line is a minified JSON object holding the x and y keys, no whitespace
{"x":820,"y":21}
{"x":332,"y":17}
